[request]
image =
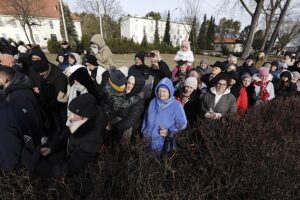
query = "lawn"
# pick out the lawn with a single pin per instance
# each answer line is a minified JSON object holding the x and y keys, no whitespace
{"x":128,"y":59}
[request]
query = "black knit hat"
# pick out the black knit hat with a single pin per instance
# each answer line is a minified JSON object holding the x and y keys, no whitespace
{"x":64,"y":43}
{"x":92,"y":60}
{"x":40,"y":65}
{"x":141,"y":56}
{"x":275,"y":63}
{"x":84,"y":105}
{"x":82,"y":76}
{"x":181,"y":62}
{"x":287,"y":74}
{"x":117,"y":78}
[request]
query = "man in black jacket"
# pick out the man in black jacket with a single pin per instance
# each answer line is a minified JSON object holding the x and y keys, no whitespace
{"x":12,"y":130}
{"x":82,"y":140}
{"x":53,"y":86}
{"x":17,"y":90}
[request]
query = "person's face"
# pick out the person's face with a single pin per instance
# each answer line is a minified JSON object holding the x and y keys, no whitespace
{"x":184,"y":48}
{"x":249,"y":62}
{"x":35,"y":57}
{"x":264,"y":78}
{"x":84,"y":51}
{"x":163,"y":94}
{"x":231,"y":68}
{"x":90,"y":67}
{"x":71,"y":60}
{"x":65,"y":46}
{"x":3,"y":80}
{"x":138,"y":61}
{"x":61,"y":59}
{"x":232,"y":82}
{"x":221,"y":86}
{"x":182,"y":68}
{"x":284,"y":79}
{"x":154,"y":63}
{"x":261,"y":55}
{"x":287,"y":57}
{"x":216,"y":70}
{"x":129,"y":85}
{"x":74,"y":117}
{"x":188,"y":90}
{"x":295,"y":79}
{"x":246,"y":82}
{"x":273,"y":68}
{"x":44,"y":74}
{"x":298,"y":64}
{"x":203,"y":65}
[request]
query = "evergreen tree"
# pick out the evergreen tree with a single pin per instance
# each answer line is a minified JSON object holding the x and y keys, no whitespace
{"x":193,"y":34}
{"x":71,"y":31}
{"x":156,"y":35}
{"x":144,"y":42}
{"x":211,"y":34}
{"x":201,"y":39}
{"x":167,"y":37}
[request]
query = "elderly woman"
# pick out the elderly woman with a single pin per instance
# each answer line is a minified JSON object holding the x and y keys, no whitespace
{"x":189,"y":98}
{"x":219,"y":101}
{"x":264,"y":88}
{"x":164,"y":117}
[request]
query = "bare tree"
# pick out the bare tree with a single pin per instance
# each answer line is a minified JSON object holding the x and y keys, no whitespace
{"x":277,"y":27}
{"x":254,"y":21}
{"x":190,"y":9}
{"x":289,"y":30}
{"x":25,"y":12}
{"x":269,"y":11}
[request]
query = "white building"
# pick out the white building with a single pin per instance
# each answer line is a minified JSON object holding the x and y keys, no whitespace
{"x":133,"y":28}
{"x":48,"y":24}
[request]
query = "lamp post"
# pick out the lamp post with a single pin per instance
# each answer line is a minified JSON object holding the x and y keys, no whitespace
{"x":64,"y":21}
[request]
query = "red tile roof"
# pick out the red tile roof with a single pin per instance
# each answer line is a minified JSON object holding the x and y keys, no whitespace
{"x":46,"y":8}
{"x":224,"y":40}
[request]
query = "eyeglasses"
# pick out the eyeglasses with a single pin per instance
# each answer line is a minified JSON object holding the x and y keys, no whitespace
{"x":222,"y":84}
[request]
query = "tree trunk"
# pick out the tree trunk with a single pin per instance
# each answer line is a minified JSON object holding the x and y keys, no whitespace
{"x":277,"y":27}
{"x":24,"y":28}
{"x":252,"y":30}
{"x":298,"y":53}
{"x":31,"y":34}
{"x":267,"y":32}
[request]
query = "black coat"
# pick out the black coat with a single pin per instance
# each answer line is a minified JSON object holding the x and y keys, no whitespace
{"x":12,"y":130}
{"x":20,"y":94}
{"x":81,"y":147}
{"x":284,"y":91}
{"x":191,"y":108}
{"x":252,"y":98}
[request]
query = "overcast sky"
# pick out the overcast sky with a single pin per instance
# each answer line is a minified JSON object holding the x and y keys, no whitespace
{"x":142,"y":7}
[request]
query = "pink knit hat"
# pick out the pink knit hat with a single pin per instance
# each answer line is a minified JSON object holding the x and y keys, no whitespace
{"x":263,"y":71}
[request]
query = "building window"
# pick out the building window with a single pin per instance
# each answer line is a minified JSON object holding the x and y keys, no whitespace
{"x":36,"y":38}
{"x":1,"y":23}
{"x":18,"y":38}
{"x":136,"y":27}
{"x":4,"y":36}
{"x":14,"y":24}
{"x":53,"y":37}
{"x":174,"y":37}
{"x":51,"y":24}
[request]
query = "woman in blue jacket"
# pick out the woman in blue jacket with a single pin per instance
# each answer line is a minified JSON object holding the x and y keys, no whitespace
{"x":163,"y":118}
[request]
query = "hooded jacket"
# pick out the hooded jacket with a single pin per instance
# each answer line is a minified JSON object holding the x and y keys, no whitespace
{"x":104,"y":55}
{"x":167,"y":114}
{"x":19,"y":94}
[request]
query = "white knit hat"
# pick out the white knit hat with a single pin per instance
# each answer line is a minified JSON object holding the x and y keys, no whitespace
{"x":191,"y":82}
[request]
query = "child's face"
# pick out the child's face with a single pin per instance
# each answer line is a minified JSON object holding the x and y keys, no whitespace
{"x":182,"y":68}
{"x":184,"y":48}
{"x":61,"y":59}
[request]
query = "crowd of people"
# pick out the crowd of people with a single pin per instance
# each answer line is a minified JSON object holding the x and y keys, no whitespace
{"x":55,"y":119}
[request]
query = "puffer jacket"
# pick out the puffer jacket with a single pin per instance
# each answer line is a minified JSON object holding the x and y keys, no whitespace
{"x":104,"y":55}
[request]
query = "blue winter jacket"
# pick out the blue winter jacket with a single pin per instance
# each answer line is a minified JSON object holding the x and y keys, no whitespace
{"x":168,"y":114}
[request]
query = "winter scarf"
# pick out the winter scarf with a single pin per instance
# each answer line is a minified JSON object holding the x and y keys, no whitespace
{"x":263,"y":93}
